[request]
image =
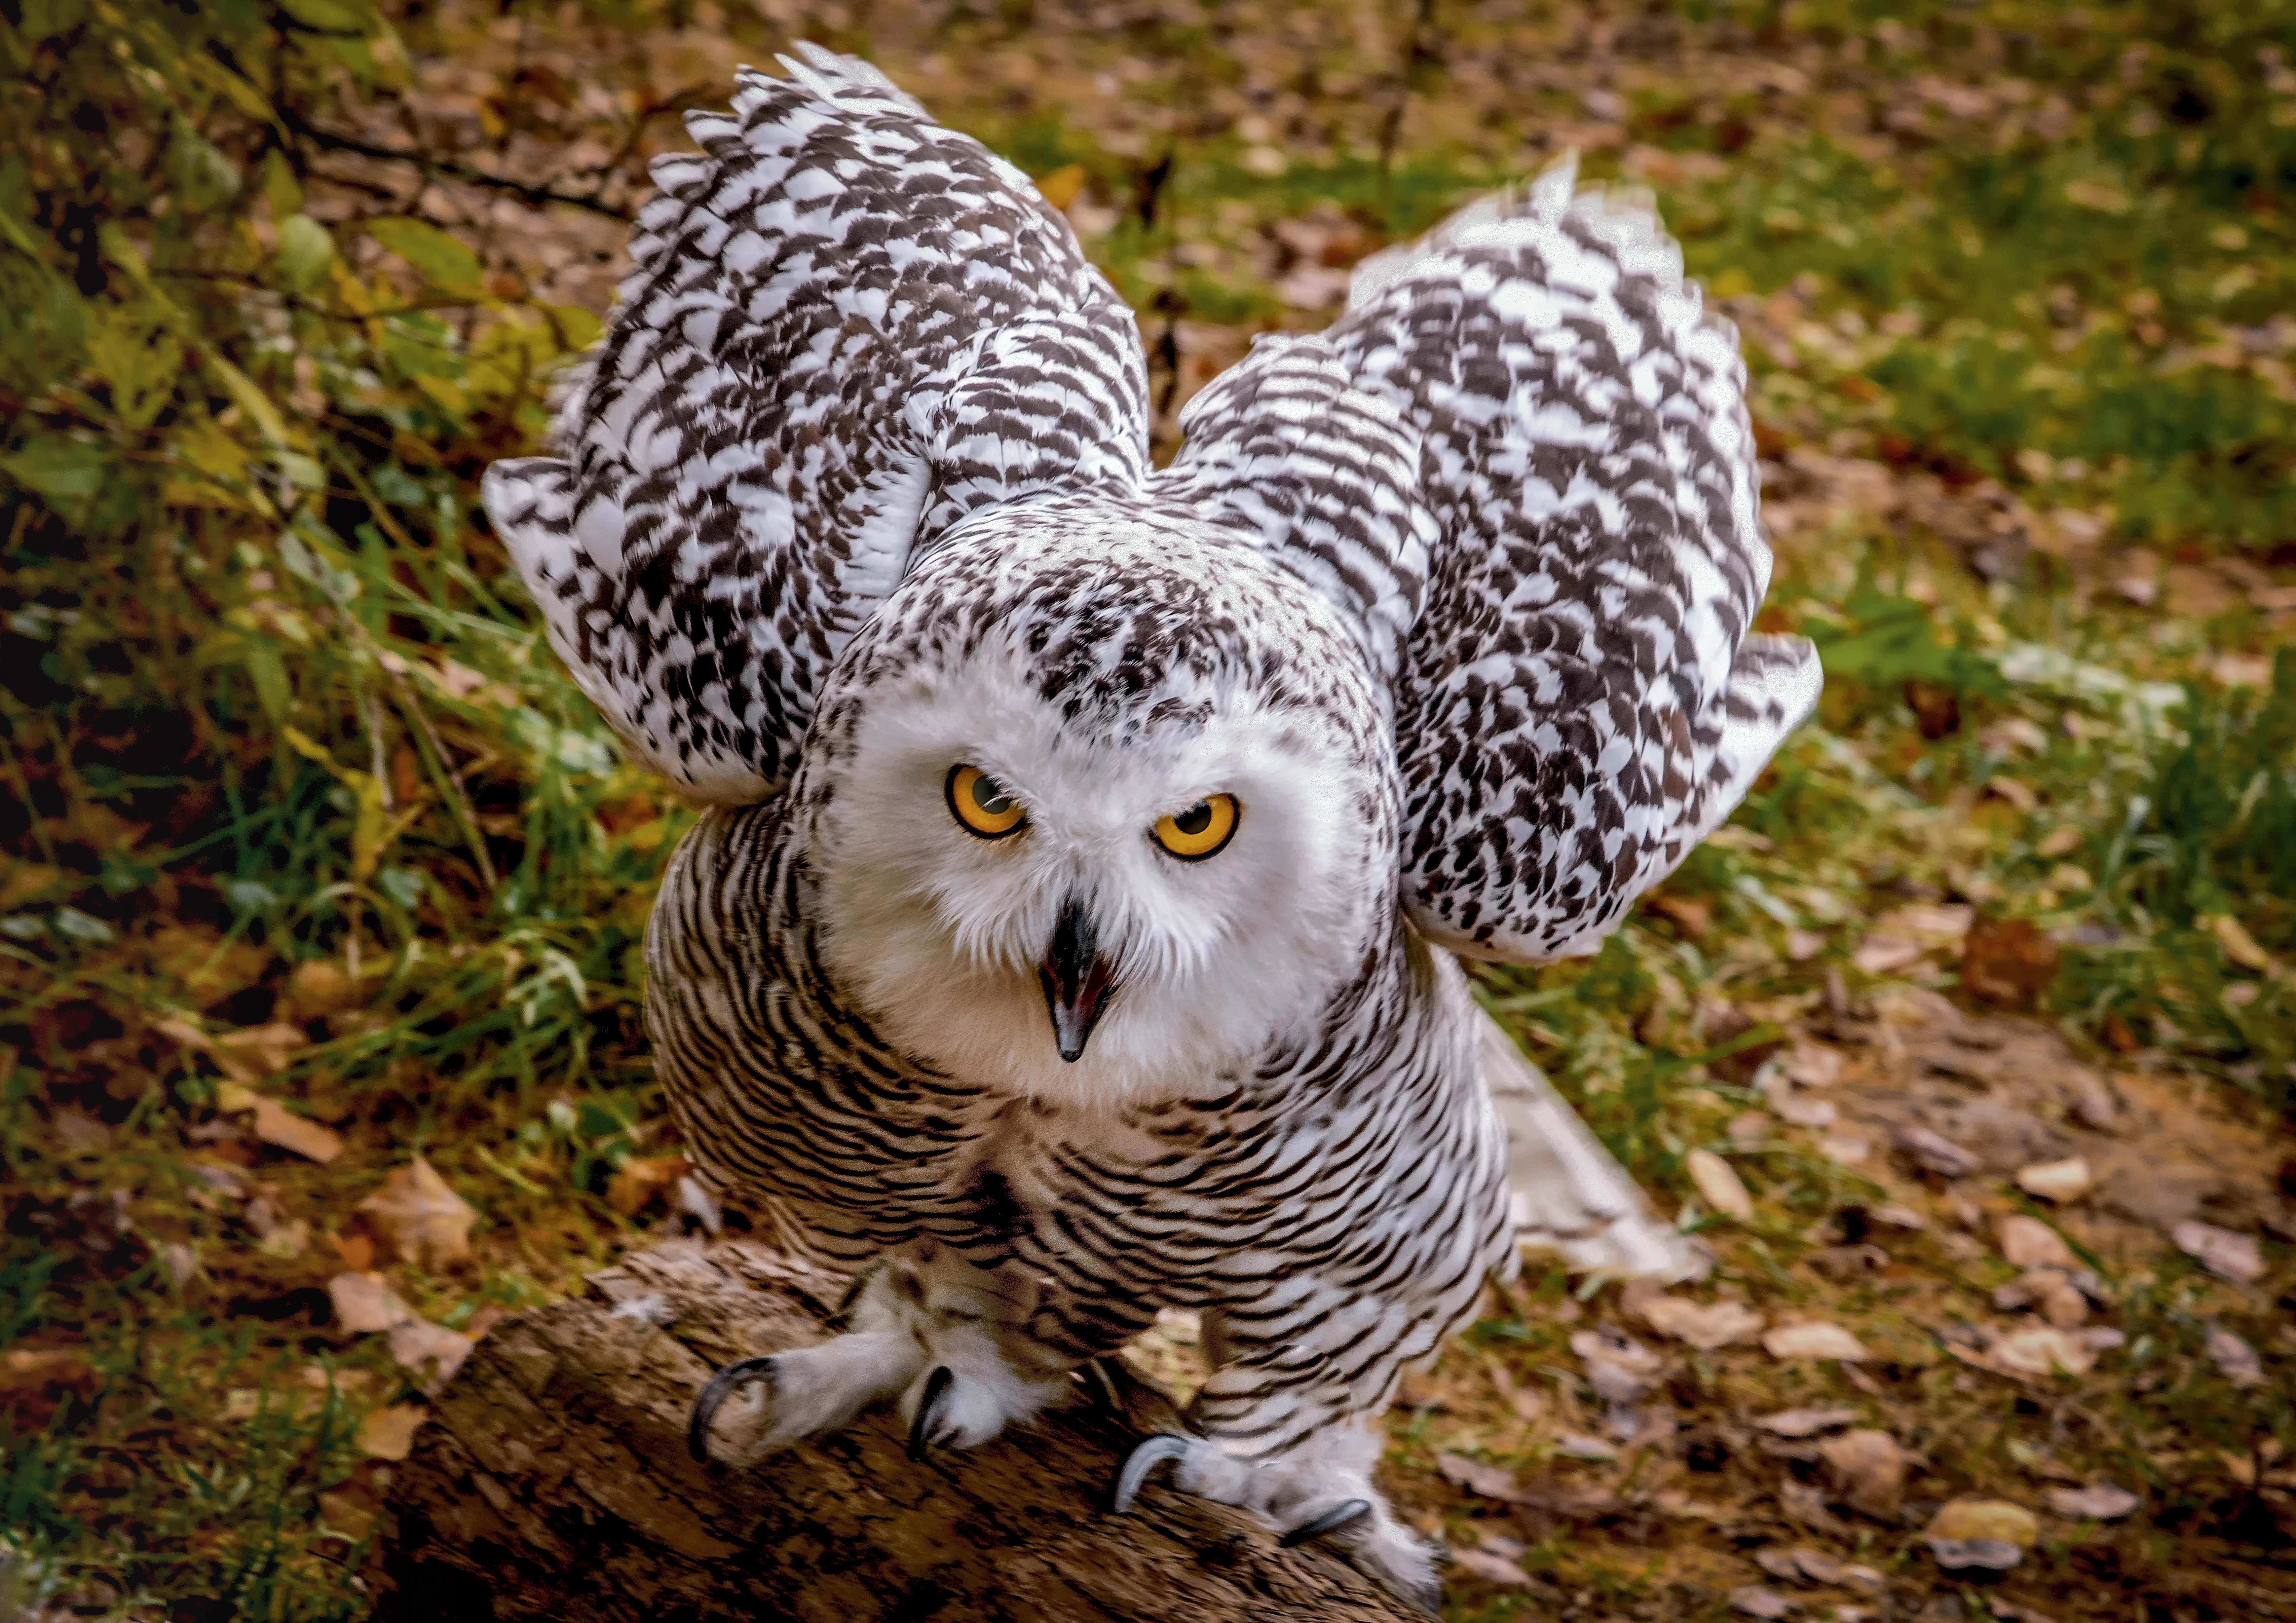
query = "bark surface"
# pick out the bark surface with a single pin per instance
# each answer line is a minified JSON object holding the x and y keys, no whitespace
{"x":553,"y":1482}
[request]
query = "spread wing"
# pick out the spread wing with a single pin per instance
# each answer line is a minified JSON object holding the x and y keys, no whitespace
{"x":846,"y":329}
{"x":1522,"y":458}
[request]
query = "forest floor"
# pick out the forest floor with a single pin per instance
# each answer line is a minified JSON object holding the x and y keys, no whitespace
{"x":1968,"y":1045}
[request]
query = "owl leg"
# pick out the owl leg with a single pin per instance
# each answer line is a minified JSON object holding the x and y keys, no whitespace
{"x":1319,"y":1489}
{"x":948,"y":1338}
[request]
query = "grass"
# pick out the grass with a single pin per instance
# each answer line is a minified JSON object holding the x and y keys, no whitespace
{"x":282,"y":745}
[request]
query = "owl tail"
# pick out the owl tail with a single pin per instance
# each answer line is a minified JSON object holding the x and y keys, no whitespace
{"x":1569,"y":1198}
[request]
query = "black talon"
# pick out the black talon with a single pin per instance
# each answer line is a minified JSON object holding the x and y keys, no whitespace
{"x":1332,"y":1520}
{"x":920,"y":1429}
{"x":1143,"y":1459}
{"x":713,"y":1398}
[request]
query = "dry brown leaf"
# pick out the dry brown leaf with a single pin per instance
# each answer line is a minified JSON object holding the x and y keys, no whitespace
{"x":1063,"y":185}
{"x":1999,"y":1518}
{"x":2008,"y":962}
{"x":1704,"y":1325}
{"x":1868,"y":1470}
{"x":2041,"y":1350}
{"x":1812,"y":1339}
{"x":389,"y":1433}
{"x":2028,"y":1242}
{"x":419,"y":1217}
{"x":1806,"y":1422}
{"x":2235,"y":1360}
{"x":639,"y":1182}
{"x":1806,"y":1504}
{"x":2102,"y":1502}
{"x":415,"y":1342}
{"x":275,"y":1124}
{"x":1477,"y":1476}
{"x":1718,"y":1183}
{"x":1492,"y":1569}
{"x":2238,"y":945}
{"x":2058,"y":1180}
{"x":2224,"y":1253}
{"x":364,"y":1303}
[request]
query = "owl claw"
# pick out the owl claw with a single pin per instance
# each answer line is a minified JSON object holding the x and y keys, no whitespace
{"x":1139,"y":1463}
{"x":713,"y":1396}
{"x":1346,"y":1514}
{"x":923,"y":1430}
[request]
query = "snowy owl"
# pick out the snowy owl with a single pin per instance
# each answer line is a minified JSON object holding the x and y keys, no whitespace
{"x":1074,"y":929}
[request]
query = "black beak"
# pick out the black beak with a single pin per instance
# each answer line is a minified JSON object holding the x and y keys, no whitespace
{"x":1077,"y":980}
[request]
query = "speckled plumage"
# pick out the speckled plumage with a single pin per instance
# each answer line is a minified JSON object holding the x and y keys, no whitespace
{"x":1454,"y":599}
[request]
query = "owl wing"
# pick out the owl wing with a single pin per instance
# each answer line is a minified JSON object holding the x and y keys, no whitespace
{"x":1522,"y":459}
{"x":846,"y":328}
{"x":1569,"y":1197}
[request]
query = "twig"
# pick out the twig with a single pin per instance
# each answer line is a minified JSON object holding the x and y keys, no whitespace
{"x":335,"y":141}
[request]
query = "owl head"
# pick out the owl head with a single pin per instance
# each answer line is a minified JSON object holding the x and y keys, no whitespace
{"x":1100,"y":808}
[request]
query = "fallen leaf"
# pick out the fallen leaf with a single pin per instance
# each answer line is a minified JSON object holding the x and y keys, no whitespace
{"x":1063,"y":185}
{"x":639,"y":1182}
{"x":259,"y":1049}
{"x":1619,"y":1368}
{"x":1933,"y":1151}
{"x":346,"y":1517}
{"x":1704,"y":1325}
{"x":1878,"y":956}
{"x":1477,"y":1477}
{"x":2058,"y":1180}
{"x":419,"y":1217}
{"x":2238,"y":945}
{"x":2102,"y":1502}
{"x":1868,"y":1470}
{"x":1812,"y":1339}
{"x":415,"y":1342}
{"x":1489,"y":1568}
{"x":1719,"y":1184}
{"x":2040,"y":1350}
{"x":1755,"y":1601}
{"x":2227,"y":1255}
{"x":364,"y":1303}
{"x":1806,"y":1422}
{"x":2028,"y":1242}
{"x":1994,"y":1519}
{"x":389,"y":1433}
{"x":1990,"y":1556}
{"x":2235,"y":1360}
{"x":2008,"y":962}
{"x":1806,"y":1504}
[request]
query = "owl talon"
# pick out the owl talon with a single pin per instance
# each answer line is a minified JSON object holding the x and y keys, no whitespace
{"x":924,"y":1430}
{"x":1139,"y":1463}
{"x":1342,"y":1515}
{"x":714,"y":1395}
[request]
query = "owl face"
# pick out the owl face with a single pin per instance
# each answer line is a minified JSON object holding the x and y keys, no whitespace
{"x":1099,"y":859}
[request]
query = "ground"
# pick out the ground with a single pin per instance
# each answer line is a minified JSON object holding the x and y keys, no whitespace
{"x":320,"y":887}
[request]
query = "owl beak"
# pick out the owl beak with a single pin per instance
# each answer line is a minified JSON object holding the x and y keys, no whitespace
{"x":1077,"y":980}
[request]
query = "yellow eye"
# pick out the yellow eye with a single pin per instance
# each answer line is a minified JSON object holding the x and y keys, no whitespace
{"x":983,"y":805}
{"x":1201,"y":831}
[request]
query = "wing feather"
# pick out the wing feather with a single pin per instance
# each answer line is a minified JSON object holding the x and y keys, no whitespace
{"x":846,"y":328}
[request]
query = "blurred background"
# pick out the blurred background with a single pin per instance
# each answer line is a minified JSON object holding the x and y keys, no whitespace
{"x":321,"y":890}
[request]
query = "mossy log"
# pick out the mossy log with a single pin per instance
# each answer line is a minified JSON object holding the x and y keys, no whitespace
{"x":553,"y":1482}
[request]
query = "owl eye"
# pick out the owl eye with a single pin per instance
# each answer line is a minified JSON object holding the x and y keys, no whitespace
{"x":983,"y":805}
{"x":1201,"y":831}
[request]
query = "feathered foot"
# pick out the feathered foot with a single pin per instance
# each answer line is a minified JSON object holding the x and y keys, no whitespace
{"x":1317,"y":1492}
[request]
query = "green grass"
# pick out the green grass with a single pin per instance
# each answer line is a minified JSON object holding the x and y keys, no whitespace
{"x":281,"y":741}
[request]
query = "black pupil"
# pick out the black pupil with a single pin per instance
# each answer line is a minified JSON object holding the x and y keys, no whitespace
{"x":1196,"y":819}
{"x":989,"y":796}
